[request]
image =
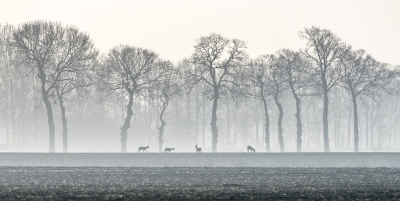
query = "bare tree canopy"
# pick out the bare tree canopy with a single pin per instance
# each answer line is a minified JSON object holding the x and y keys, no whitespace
{"x":53,"y":51}
{"x":131,"y":69}
{"x":259,"y":76}
{"x":51,"y":75}
{"x":216,"y":61}
{"x":293,"y":66}
{"x":323,"y":49}
{"x":170,"y":85}
{"x":362,"y":74}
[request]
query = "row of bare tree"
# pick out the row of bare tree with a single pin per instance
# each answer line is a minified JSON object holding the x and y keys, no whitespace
{"x":46,"y":63}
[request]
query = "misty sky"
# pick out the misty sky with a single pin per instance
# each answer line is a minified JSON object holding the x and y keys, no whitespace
{"x":171,"y":27}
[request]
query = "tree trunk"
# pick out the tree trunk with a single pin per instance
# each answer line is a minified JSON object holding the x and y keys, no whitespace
{"x":379,"y":132}
{"x":338,"y":126}
{"x":280,"y":130}
{"x":160,"y":135}
{"x":371,"y":145}
{"x":50,"y":120}
{"x":267,"y":139}
{"x":6,"y":119}
{"x":203,"y":124}
{"x":235,"y":127}
{"x":348,"y":125}
{"x":188,"y":113}
{"x":127,"y":124}
{"x":161,"y":128}
{"x":394,"y":133}
{"x":214,"y":129}
{"x":354,"y":98}
{"x":372,"y":121}
{"x":197,"y":115}
{"x":245,"y":126}
{"x":257,"y":119}
{"x":228,"y":125}
{"x":335,"y":123}
{"x":150,"y":119}
{"x":308,"y":127}
{"x":366,"y":125}
{"x":298,"y":120}
{"x":13,"y":114}
{"x":64,"y":123}
{"x":176,"y":118}
{"x":325,"y":121}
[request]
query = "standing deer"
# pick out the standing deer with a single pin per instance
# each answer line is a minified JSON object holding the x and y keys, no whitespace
{"x":250,"y":148}
{"x":169,"y":149}
{"x":198,"y":149}
{"x":143,"y":148}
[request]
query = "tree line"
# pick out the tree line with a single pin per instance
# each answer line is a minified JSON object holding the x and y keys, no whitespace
{"x":50,"y":70}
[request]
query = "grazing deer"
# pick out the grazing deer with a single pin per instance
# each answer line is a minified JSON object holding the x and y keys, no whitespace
{"x":169,"y":149}
{"x":250,"y":148}
{"x":198,"y":149}
{"x":143,"y":148}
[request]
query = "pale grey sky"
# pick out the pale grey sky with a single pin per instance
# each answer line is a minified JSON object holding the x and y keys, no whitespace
{"x":171,"y":27}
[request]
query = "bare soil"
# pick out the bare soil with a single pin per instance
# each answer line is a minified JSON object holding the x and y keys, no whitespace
{"x":198,"y":183}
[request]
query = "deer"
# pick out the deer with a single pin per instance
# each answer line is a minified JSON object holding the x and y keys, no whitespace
{"x":169,"y":149}
{"x":251,"y":149}
{"x":143,"y":148}
{"x":198,"y":149}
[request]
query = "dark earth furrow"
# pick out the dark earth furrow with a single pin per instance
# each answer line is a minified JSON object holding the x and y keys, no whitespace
{"x":121,"y":183}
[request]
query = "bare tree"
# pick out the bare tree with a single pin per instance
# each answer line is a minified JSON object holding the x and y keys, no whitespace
{"x":323,"y":49}
{"x":259,"y":77}
{"x":216,"y":59}
{"x":130,"y":69}
{"x":53,"y":50}
{"x":166,"y":88}
{"x":362,"y":75}
{"x":80,"y":55}
{"x":277,"y":83}
{"x":10,"y":76}
{"x":68,"y":84}
{"x":293,"y":65}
